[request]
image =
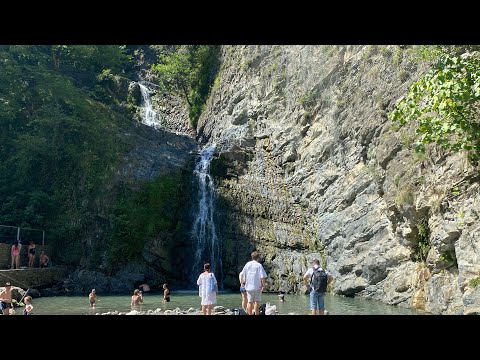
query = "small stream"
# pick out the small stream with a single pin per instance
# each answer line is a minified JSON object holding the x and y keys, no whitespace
{"x":298,"y":304}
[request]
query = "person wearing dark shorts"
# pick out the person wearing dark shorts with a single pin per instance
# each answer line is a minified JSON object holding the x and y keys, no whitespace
{"x":6,"y":299}
{"x":92,"y":298}
{"x":5,"y":305}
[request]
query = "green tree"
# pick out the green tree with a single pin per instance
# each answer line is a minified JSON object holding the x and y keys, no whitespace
{"x":188,"y":71}
{"x":444,"y":102}
{"x":176,"y":71}
{"x":93,"y":58}
{"x":140,"y":216}
{"x":58,"y":146}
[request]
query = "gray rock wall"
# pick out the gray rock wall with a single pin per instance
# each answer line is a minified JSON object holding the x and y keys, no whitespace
{"x":308,"y":166}
{"x":149,"y":154}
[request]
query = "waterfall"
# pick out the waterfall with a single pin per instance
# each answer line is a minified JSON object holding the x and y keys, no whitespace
{"x":149,"y":116}
{"x":206,"y":244}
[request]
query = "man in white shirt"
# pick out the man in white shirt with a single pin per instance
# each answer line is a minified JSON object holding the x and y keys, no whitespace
{"x":317,"y":298}
{"x":253,"y":276}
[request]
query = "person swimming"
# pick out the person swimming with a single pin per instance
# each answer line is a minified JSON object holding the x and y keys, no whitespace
{"x":136,"y":298}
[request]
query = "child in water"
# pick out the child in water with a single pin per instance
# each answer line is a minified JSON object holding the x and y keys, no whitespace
{"x":28,"y":305}
{"x":136,"y":298}
{"x":92,"y":297}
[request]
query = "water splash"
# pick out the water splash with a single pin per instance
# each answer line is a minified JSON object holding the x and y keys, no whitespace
{"x":207,"y":245}
{"x":149,"y":116}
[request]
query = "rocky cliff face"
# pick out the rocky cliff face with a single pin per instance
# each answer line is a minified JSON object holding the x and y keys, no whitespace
{"x":150,"y":154}
{"x":308,"y":167}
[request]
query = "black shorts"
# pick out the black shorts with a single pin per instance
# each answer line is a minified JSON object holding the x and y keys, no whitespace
{"x":5,"y":305}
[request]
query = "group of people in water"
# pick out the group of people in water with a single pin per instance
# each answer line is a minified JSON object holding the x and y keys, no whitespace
{"x":137,"y":297}
{"x":32,"y":250}
{"x":252,"y":280}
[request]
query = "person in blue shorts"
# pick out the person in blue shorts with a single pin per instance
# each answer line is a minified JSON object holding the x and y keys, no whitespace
{"x":244,"y":294}
{"x":317,"y":297}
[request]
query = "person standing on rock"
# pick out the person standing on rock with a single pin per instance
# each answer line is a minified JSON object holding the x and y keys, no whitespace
{"x":254,"y":276}
{"x":208,"y":289}
{"x":31,"y":254}
{"x":317,"y":279}
{"x":16,"y":248}
{"x":43,"y":260}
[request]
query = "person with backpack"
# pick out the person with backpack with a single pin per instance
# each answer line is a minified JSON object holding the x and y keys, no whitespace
{"x":319,"y":279}
{"x":253,"y":275}
{"x":208,"y":289}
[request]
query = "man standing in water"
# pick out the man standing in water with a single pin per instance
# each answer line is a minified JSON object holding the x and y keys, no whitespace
{"x":317,"y":279}
{"x":6,"y":299}
{"x":92,"y":298}
{"x":253,"y":275}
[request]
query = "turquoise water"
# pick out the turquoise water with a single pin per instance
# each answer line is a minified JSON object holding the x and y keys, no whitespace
{"x":298,"y":304}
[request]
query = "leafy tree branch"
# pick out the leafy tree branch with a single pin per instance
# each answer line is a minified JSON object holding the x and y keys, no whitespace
{"x":445,"y":103}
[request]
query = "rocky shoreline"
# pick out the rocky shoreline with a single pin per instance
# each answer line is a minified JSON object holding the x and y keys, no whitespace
{"x":217,"y":310}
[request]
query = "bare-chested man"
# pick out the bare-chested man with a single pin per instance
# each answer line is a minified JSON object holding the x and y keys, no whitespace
{"x":6,"y":299}
{"x":43,"y":260}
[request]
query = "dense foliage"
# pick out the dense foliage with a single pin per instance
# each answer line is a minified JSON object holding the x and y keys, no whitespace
{"x":58,"y":143}
{"x":140,"y":216}
{"x":445,"y":101}
{"x":189,"y":71}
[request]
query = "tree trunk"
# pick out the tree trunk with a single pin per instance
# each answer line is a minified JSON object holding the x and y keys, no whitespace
{"x":185,"y":92}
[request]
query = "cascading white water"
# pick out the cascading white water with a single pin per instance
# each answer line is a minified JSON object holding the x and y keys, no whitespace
{"x":149,"y":116}
{"x":207,"y":245}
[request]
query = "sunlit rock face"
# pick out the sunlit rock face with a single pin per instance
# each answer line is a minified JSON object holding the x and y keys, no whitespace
{"x":308,"y":166}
